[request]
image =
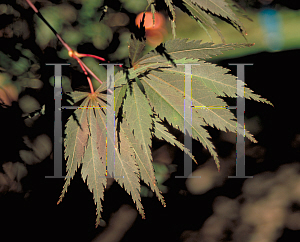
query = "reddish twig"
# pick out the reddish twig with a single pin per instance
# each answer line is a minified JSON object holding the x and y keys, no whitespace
{"x":88,"y":55}
{"x":72,"y":53}
{"x":87,"y":76}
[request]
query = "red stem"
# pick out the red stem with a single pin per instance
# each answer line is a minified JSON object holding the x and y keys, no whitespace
{"x":64,"y":43}
{"x":75,"y":56}
{"x":88,"y":78}
{"x":88,"y":55}
{"x":93,"y":74}
{"x":32,"y":6}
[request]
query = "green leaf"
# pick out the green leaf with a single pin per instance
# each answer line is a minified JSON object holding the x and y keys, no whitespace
{"x":136,"y":47}
{"x":75,"y":144}
{"x":162,"y":133}
{"x":151,"y":91}
{"x":164,"y":88}
{"x":143,"y":158}
{"x":94,"y":162}
{"x":238,"y":9}
{"x":202,"y":18}
{"x":121,"y":84}
{"x":169,"y":104}
{"x":190,"y":49}
{"x":121,"y":78}
{"x":215,"y":78}
{"x":165,"y":91}
{"x":200,"y":11}
{"x":86,"y":144}
{"x":77,"y":96}
{"x":151,"y":2}
{"x":219,"y":8}
{"x":119,"y":97}
{"x":170,"y":6}
{"x":138,"y":111}
{"x":183,"y":51}
{"x":126,"y":167}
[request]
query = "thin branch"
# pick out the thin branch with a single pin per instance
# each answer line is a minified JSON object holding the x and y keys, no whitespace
{"x":32,"y":6}
{"x":88,"y":55}
{"x":72,"y":53}
{"x":88,"y":78}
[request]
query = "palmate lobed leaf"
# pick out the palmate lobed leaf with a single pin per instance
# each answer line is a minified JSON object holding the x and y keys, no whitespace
{"x":138,"y":111}
{"x":141,"y":157}
{"x":94,"y":162}
{"x":135,"y":49}
{"x":86,"y":144}
{"x":184,"y":51}
{"x":75,"y":144}
{"x":169,"y":104}
{"x":164,"y":87}
{"x":127,"y":170}
{"x":158,"y":96}
{"x":166,"y":97}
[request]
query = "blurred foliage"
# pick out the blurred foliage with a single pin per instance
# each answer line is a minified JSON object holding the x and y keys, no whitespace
{"x":76,"y":21}
{"x":265,"y":207}
{"x":281,"y":23}
{"x":162,"y":174}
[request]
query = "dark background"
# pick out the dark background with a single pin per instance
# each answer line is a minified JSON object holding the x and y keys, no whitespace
{"x":33,"y":214}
